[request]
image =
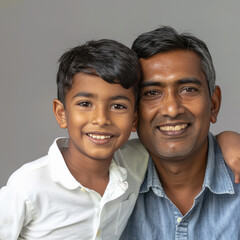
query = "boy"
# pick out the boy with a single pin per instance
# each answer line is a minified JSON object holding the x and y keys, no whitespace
{"x":77,"y":191}
{"x":83,"y":189}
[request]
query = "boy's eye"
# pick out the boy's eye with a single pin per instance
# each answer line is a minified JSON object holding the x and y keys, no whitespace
{"x":118,"y":106}
{"x":84,"y":104}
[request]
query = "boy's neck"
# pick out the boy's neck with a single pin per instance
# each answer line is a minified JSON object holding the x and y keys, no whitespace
{"x":92,"y":174}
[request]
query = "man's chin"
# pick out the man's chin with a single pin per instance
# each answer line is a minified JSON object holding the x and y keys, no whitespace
{"x":172,"y":153}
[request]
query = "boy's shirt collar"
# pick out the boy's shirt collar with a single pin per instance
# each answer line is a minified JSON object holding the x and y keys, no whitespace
{"x":59,"y":170}
{"x":61,"y":174}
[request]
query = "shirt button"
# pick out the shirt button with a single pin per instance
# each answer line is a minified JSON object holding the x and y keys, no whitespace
{"x":83,"y":189}
{"x":179,"y":219}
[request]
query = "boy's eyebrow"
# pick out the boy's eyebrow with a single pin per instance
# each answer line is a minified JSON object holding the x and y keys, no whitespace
{"x":178,"y":82}
{"x":90,"y":95}
{"x":84,"y":94}
{"x":120,"y":97}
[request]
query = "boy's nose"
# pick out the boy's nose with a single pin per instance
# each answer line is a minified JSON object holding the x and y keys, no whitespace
{"x":101,"y":117}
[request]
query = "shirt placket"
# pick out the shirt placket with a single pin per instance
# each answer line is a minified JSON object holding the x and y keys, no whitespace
{"x":96,"y":198}
{"x":181,"y":232}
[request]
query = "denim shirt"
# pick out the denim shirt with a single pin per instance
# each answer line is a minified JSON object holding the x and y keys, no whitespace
{"x":215,"y":214}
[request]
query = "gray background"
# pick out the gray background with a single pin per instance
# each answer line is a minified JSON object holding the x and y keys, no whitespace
{"x":33,"y":35}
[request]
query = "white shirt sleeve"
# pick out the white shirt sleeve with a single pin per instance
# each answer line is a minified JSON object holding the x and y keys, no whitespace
{"x":13,"y":213}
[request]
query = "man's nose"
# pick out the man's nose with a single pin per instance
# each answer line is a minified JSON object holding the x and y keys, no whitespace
{"x":171,"y":105}
{"x":101,"y":116}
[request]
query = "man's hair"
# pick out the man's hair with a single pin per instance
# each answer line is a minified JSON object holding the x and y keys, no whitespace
{"x":166,"y":39}
{"x":110,"y":60}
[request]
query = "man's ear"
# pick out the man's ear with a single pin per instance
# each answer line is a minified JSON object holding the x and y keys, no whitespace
{"x":135,"y":121}
{"x":215,"y":103}
{"x":59,"y":113}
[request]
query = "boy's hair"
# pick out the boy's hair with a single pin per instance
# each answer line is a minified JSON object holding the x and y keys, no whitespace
{"x":110,"y":60}
{"x":166,"y":39}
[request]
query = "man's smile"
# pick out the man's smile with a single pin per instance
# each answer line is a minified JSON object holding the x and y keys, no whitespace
{"x":169,"y":128}
{"x":174,"y":129}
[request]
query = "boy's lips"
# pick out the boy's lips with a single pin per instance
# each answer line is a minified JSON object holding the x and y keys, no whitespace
{"x":99,"y":138}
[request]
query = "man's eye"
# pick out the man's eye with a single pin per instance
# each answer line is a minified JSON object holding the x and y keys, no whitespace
{"x":189,"y":90}
{"x":151,"y":93}
{"x":118,"y":106}
{"x":84,"y":104}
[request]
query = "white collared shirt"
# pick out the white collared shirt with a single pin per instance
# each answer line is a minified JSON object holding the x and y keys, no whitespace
{"x":42,"y":200}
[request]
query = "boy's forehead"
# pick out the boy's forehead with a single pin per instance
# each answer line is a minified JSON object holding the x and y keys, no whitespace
{"x":96,"y":86}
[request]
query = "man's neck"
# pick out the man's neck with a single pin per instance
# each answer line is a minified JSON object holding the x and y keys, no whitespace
{"x":182,"y":180}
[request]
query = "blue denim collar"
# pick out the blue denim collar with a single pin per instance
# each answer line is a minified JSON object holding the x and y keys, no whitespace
{"x":217,"y":177}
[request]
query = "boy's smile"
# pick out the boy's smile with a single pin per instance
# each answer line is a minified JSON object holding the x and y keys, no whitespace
{"x":99,"y":116}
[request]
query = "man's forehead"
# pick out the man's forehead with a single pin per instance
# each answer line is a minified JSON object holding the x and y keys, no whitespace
{"x":177,"y":63}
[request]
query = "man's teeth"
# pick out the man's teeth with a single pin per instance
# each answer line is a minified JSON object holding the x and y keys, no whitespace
{"x":99,"y":136}
{"x":173,"y":128}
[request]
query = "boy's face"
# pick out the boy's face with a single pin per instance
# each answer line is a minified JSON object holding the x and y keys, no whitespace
{"x":99,"y":116}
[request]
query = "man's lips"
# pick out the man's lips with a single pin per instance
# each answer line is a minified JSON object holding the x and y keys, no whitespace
{"x":173,"y":129}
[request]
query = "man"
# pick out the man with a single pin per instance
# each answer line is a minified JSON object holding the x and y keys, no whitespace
{"x":188,"y":191}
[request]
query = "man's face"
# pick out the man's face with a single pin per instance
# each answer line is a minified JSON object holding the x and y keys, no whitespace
{"x":175,"y":107}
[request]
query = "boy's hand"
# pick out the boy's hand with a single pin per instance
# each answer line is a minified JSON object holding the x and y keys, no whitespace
{"x":230,"y":146}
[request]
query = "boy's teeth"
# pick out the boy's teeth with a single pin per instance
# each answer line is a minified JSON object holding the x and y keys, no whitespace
{"x":99,"y":136}
{"x":173,"y":128}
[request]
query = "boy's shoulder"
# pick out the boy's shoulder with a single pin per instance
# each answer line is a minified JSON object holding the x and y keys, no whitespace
{"x":45,"y":171}
{"x":37,"y":170}
{"x":133,"y":157}
{"x":134,"y":149}
{"x":28,"y":171}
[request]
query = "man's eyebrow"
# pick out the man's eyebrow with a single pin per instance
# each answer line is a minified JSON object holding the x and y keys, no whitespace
{"x":151,"y":83}
{"x":179,"y":82}
{"x":189,"y":80}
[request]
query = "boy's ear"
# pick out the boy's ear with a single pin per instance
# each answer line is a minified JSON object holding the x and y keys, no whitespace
{"x":215,"y":103}
{"x":135,"y":122}
{"x":59,"y":113}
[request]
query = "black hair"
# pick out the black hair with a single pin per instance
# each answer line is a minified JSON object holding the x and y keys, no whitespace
{"x":166,"y":39}
{"x":110,"y":60}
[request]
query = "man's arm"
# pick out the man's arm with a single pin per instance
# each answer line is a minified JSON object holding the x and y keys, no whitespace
{"x":230,"y":146}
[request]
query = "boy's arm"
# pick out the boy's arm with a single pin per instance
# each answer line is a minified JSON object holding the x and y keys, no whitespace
{"x":230,"y":146}
{"x":12,"y":213}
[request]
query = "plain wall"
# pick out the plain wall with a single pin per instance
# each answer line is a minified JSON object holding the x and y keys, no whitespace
{"x":34,"y":34}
